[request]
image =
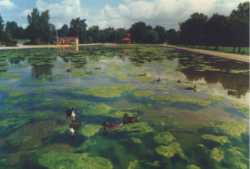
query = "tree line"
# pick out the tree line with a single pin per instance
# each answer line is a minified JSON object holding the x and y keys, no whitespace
{"x":198,"y":29}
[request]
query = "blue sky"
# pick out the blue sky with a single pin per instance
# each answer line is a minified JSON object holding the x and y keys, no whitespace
{"x":116,"y":13}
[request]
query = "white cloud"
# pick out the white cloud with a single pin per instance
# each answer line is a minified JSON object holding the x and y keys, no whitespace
{"x":6,"y":4}
{"x":62,"y":12}
{"x":168,"y":13}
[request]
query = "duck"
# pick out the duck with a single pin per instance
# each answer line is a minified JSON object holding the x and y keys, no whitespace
{"x":194,"y":88}
{"x":71,"y":114}
{"x":108,"y":126}
{"x":129,"y":119}
{"x":73,"y":127}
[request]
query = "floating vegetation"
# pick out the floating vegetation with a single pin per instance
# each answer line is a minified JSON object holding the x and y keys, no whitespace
{"x":112,"y":91}
{"x":90,"y":130}
{"x":217,"y":154}
{"x":182,"y":99}
{"x":164,"y":138}
{"x":137,"y":128}
{"x":192,"y":166}
{"x":215,"y":139}
{"x":176,"y":128}
{"x":133,"y":164}
{"x":173,"y":149}
{"x":63,"y":160}
{"x":143,"y":93}
{"x":232,"y":129}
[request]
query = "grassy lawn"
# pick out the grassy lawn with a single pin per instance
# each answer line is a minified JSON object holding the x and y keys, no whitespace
{"x":244,"y":50}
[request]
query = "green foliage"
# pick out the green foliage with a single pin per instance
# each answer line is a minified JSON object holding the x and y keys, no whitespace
{"x":217,"y":154}
{"x":137,"y":128}
{"x":172,"y":150}
{"x":112,"y":91}
{"x":216,"y":139}
{"x":164,"y":138}
{"x":133,"y":164}
{"x":63,"y":160}
{"x":232,"y":129}
{"x":192,"y":166}
{"x":90,"y":130}
{"x":183,"y":99}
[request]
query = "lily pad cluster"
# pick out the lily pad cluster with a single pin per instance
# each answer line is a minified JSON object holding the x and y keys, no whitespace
{"x":168,"y":147}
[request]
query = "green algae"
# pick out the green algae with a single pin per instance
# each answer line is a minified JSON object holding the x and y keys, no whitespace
{"x":134,"y":165}
{"x":182,"y":99}
{"x":107,"y":92}
{"x":137,"y":128}
{"x":164,"y":138}
{"x":217,"y":154}
{"x":215,"y":139}
{"x":27,"y":136}
{"x":136,"y":140}
{"x":63,"y":160}
{"x":232,"y":129}
{"x":99,"y":109}
{"x":234,"y":158}
{"x":192,"y":166}
{"x":172,"y":150}
{"x":143,"y":93}
{"x":90,"y":130}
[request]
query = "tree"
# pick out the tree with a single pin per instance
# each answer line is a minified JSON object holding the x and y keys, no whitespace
{"x":137,"y":31}
{"x":172,"y":36}
{"x":78,"y":28}
{"x":64,"y":31}
{"x":94,"y":34}
{"x":217,"y":31}
{"x":239,"y":24}
{"x":39,"y":29}
{"x":193,"y":29}
{"x":1,"y":28}
{"x":161,"y":33}
{"x":151,"y":36}
{"x":14,"y":30}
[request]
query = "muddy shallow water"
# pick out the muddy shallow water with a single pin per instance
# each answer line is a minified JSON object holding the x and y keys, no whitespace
{"x":192,"y":109}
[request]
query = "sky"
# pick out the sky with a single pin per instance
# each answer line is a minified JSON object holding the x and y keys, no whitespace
{"x":116,"y":13}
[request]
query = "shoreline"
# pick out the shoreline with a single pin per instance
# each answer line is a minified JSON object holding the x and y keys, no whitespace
{"x":231,"y":56}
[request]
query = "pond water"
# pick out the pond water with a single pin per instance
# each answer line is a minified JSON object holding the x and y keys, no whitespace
{"x":192,"y":110}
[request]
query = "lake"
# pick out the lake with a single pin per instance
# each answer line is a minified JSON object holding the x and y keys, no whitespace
{"x":192,"y":110}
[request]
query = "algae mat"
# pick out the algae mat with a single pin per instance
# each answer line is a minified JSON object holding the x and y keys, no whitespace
{"x":192,"y":110}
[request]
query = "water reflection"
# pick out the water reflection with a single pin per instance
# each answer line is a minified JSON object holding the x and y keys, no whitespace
{"x":42,"y":64}
{"x":3,"y":64}
{"x":234,"y":76}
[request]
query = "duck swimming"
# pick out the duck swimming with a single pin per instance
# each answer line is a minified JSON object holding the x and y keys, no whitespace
{"x":71,"y":114}
{"x":129,"y":119}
